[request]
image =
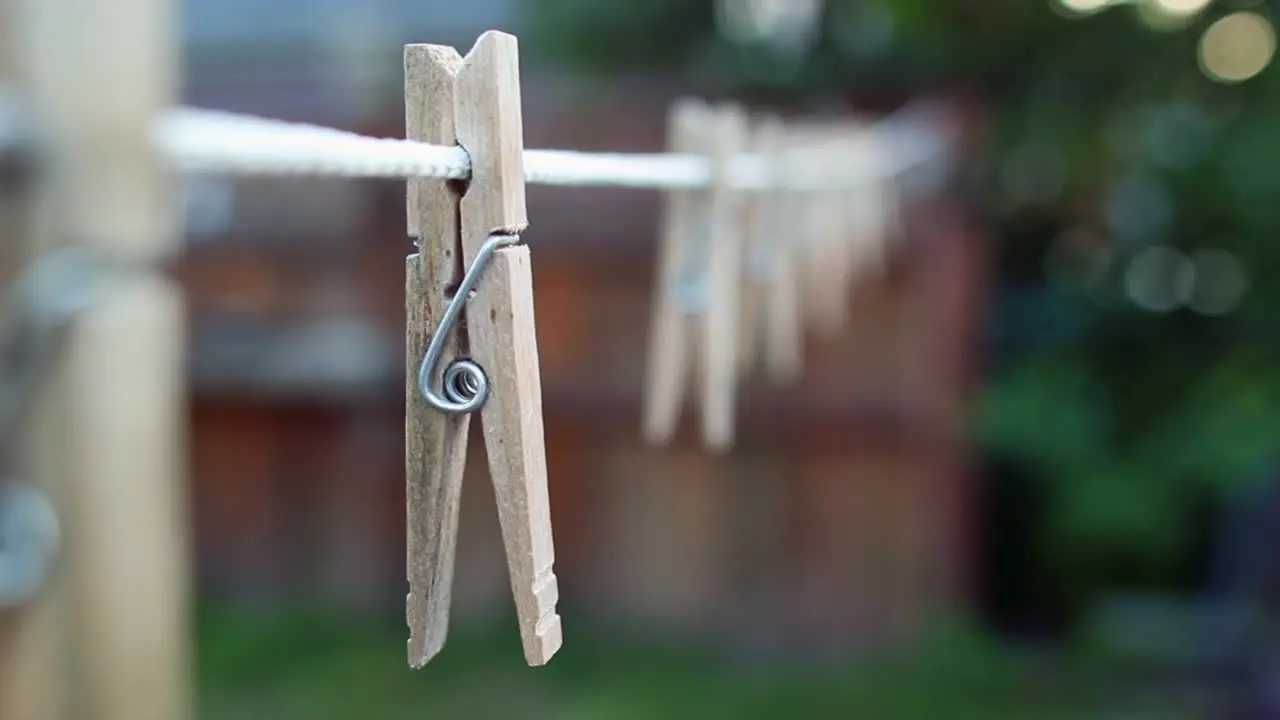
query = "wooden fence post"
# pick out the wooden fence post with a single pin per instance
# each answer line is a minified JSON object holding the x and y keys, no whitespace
{"x":109,"y":437}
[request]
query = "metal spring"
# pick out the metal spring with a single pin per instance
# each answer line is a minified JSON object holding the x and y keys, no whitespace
{"x":464,"y":386}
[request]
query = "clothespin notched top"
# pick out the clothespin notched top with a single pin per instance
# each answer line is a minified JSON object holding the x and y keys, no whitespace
{"x":471,"y":343}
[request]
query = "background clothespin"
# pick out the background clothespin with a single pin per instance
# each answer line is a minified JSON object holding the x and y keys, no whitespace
{"x":759,"y":250}
{"x":826,"y":252}
{"x":867,"y":203}
{"x":783,"y":326}
{"x":719,"y":378}
{"x":500,"y":338}
{"x":677,"y":295}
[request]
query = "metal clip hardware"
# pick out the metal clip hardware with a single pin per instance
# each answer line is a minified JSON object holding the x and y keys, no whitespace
{"x":464,"y":386}
{"x":47,"y":299}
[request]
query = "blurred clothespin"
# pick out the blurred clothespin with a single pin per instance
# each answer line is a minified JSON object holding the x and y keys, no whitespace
{"x":473,"y":102}
{"x":699,"y":279}
{"x":825,"y":252}
{"x":868,"y":204}
{"x":756,"y":256}
{"x":771,"y":303}
{"x":680,"y":267}
{"x":724,"y":280}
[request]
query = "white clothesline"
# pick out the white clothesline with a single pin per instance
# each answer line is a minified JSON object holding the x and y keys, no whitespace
{"x":215,"y":142}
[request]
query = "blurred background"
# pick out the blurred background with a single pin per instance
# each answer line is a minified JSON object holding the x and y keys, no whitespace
{"x":1031,"y":478}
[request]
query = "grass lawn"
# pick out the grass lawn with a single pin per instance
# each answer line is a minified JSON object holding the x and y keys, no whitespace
{"x":306,"y":666}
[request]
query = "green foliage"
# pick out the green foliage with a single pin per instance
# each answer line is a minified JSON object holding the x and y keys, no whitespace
{"x":296,"y":666}
{"x":1103,"y":138}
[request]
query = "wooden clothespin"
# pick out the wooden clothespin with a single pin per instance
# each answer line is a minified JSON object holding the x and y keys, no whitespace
{"x":770,"y":305}
{"x":826,"y":247}
{"x":757,"y":255}
{"x":783,"y":326}
{"x":724,"y":281}
{"x":867,"y":204}
{"x":699,"y":277}
{"x":473,"y":102}
{"x":678,"y":268}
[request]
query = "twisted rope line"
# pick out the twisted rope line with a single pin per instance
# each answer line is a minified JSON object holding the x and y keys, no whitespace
{"x":216,"y":142}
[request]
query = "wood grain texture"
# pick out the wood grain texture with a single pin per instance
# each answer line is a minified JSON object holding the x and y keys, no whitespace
{"x":671,"y":330}
{"x":435,"y":443}
{"x":429,"y":75}
{"x":491,"y":129}
{"x":720,"y":322}
{"x":502,"y":335}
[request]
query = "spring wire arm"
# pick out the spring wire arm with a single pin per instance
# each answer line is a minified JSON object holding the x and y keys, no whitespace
{"x":464,"y":385}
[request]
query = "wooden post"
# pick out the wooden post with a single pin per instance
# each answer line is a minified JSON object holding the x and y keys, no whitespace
{"x":28,"y":637}
{"x":109,"y":436}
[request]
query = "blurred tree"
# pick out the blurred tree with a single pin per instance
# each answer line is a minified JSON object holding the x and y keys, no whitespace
{"x":1133,"y":197}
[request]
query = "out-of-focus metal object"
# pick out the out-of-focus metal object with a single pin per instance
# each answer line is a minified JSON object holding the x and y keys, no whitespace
{"x":44,"y":304}
{"x":29,"y":540}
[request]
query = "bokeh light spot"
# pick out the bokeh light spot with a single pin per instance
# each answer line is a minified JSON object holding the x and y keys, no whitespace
{"x":1237,"y":47}
{"x":1160,"y":279}
{"x":1083,"y":7}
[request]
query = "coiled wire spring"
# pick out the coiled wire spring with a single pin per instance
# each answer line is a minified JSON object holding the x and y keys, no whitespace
{"x":464,"y":385}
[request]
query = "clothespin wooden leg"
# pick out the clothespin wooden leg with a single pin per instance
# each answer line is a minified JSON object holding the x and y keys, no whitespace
{"x":826,"y":257}
{"x":839,"y":258}
{"x":435,"y":442}
{"x":783,"y":329}
{"x":670,"y":335}
{"x":724,"y":283}
{"x":501,"y":331}
{"x":867,"y":209}
{"x":751,"y":307}
{"x":757,"y":258}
